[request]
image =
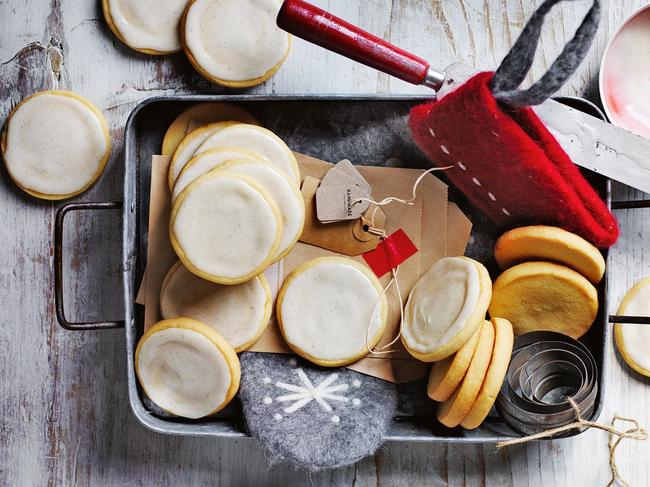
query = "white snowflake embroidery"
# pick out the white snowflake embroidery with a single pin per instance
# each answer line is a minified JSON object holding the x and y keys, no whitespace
{"x":306,"y":393}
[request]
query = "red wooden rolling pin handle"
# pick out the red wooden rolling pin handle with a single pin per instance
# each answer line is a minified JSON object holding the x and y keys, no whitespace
{"x":324,"y":29}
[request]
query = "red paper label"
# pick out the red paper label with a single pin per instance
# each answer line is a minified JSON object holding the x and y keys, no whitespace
{"x":390,"y":253}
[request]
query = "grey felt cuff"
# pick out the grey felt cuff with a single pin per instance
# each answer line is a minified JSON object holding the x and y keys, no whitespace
{"x":313,"y":416}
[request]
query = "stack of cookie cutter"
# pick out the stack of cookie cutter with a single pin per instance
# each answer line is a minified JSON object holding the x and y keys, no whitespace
{"x":546,"y":368}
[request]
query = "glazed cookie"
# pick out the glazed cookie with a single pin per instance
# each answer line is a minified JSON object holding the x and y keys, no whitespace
{"x":234,"y":43}
{"x":448,"y":373}
{"x":188,"y":147}
{"x":55,"y":144}
{"x":187,"y":368}
{"x":496,"y":372}
{"x":205,"y":162}
{"x":259,"y":140}
{"x":455,"y":409}
{"x":633,"y":341}
{"x":550,"y":243}
{"x":544,"y":296}
{"x":225,"y":228}
{"x":445,"y":308}
{"x":283,"y":191}
{"x":202,"y":114}
{"x":331,"y":310}
{"x":239,"y":313}
{"x":148,"y":26}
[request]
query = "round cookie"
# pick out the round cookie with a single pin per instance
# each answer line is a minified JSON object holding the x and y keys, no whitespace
{"x":496,"y":372}
{"x":538,"y":296}
{"x":325,"y":307}
{"x":203,"y":114}
{"x":455,"y":409}
{"x":239,"y":313}
{"x":188,"y":148}
{"x":445,"y":308}
{"x":633,"y":341}
{"x":448,"y":373}
{"x":55,"y":144}
{"x":283,"y":191}
{"x":540,"y":242}
{"x":259,"y":140}
{"x":225,"y":228}
{"x":205,"y":162}
{"x":234,"y":43}
{"x":147,"y":26}
{"x":187,"y":368}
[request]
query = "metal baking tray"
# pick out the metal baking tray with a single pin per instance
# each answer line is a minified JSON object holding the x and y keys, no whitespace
{"x":369,"y":130}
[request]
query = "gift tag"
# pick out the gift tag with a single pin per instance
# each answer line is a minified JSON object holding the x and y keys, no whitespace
{"x":338,"y":203}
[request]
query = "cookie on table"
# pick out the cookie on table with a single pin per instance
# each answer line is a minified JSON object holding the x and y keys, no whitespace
{"x":633,"y":341}
{"x":540,"y":243}
{"x":202,"y":114}
{"x":331,"y":310}
{"x":455,"y":409}
{"x":187,"y":368}
{"x":148,"y":26}
{"x":445,"y":307}
{"x":537,"y":296}
{"x":225,"y":228}
{"x":234,"y":43}
{"x":239,"y":313}
{"x":55,"y":144}
{"x":495,"y":375}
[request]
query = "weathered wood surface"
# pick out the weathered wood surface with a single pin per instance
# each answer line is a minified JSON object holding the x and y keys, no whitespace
{"x":63,"y":407}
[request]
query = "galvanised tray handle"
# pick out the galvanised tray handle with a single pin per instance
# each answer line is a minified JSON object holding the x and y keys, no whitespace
{"x":58,"y":267}
{"x":634,"y":320}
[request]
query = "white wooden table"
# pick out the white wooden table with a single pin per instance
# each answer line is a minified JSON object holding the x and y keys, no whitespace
{"x":63,"y":404}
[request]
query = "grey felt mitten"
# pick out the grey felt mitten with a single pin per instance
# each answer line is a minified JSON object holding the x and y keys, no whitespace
{"x":313,"y":416}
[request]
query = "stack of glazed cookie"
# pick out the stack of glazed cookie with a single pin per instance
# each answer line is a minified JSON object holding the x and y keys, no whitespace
{"x":233,"y":43}
{"x":236,"y":209}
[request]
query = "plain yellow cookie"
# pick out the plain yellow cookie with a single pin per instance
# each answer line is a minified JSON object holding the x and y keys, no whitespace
{"x":455,"y":409}
{"x":203,"y":114}
{"x":540,"y":242}
{"x":633,"y":341}
{"x":538,"y":296}
{"x":503,"y":342}
{"x":448,"y":373}
{"x":187,"y":368}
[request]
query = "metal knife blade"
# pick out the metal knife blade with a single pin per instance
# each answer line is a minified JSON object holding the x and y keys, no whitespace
{"x":589,"y":142}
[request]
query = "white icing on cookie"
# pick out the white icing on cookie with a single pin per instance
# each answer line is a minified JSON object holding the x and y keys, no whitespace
{"x":205,"y":162}
{"x":440,"y":304}
{"x":226,"y":227}
{"x":259,"y":140}
{"x":235,"y":40}
{"x":183,"y":372}
{"x":56,"y":144}
{"x":285,"y":194}
{"x":636,"y":338}
{"x":239,"y":313}
{"x":148,"y":24}
{"x":326,"y":308}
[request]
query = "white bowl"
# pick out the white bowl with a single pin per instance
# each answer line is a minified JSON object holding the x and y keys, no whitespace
{"x":639,"y":122}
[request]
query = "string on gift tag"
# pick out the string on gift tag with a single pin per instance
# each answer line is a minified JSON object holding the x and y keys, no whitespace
{"x":369,"y":226}
{"x":636,"y":433}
